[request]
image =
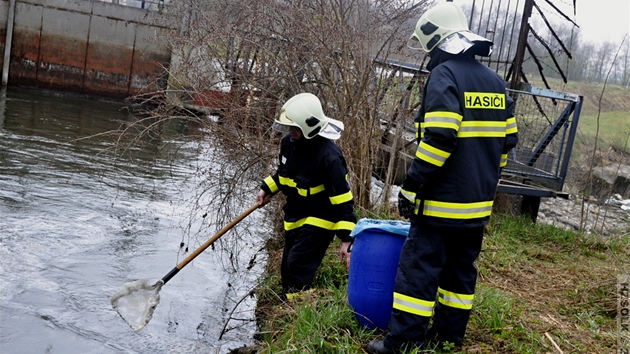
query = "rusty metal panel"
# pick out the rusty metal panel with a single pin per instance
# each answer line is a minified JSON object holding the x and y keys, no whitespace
{"x":88,"y":47}
{"x":25,"y":46}
{"x":147,"y":70}
{"x":63,"y":47}
{"x":109,"y":57}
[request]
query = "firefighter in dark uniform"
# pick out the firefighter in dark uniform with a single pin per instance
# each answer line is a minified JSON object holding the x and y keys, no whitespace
{"x":465,"y":129}
{"x":312,"y":174}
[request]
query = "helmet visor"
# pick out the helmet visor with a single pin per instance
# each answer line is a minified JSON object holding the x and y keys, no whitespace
{"x":279,"y":127}
{"x":282,"y":123}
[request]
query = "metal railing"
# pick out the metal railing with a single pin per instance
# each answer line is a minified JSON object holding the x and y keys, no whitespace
{"x":142,"y":4}
{"x":547,"y":123}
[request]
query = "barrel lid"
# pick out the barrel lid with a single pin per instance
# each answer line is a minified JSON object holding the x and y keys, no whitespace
{"x":398,"y":227}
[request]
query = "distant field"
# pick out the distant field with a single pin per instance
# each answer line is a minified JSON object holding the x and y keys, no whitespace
{"x":609,"y":98}
{"x":614,"y":128}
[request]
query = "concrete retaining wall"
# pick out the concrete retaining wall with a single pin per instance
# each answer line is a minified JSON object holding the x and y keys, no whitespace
{"x":87,"y":47}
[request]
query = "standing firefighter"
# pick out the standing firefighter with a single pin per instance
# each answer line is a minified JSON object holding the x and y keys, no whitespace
{"x":312,"y":174}
{"x":465,"y":129}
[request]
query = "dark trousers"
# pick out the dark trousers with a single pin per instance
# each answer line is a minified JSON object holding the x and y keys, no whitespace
{"x":435,"y":258}
{"x":304,"y":249}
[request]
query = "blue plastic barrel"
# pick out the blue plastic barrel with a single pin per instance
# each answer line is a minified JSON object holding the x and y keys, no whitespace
{"x":373,"y":265}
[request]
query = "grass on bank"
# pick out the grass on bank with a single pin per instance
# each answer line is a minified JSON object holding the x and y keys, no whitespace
{"x":612,"y":128}
{"x":540,"y":289}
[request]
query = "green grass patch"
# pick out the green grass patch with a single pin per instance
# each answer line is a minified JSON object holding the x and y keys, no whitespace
{"x":538,"y":285}
{"x":614,"y":128}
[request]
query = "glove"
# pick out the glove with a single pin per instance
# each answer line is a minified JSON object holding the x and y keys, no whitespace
{"x":407,"y":197}
{"x":405,"y":206}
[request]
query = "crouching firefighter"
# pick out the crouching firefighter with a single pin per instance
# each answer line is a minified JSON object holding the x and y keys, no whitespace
{"x":465,"y":129}
{"x":312,"y":174}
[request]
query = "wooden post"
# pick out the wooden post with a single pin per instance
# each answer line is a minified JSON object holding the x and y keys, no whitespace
{"x":7,"y":44}
{"x":522,"y":41}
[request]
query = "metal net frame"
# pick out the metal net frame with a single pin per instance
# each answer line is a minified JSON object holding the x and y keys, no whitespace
{"x":547,"y":124}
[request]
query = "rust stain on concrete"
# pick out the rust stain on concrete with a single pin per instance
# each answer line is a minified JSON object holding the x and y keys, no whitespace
{"x":24,"y":58}
{"x":101,"y":61}
{"x":61,"y":63}
{"x":107,"y":70}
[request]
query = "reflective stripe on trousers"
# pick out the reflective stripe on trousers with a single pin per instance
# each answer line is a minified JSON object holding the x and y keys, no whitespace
{"x":436,"y":267}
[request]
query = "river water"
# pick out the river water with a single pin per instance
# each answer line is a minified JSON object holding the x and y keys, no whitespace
{"x":76,"y":223}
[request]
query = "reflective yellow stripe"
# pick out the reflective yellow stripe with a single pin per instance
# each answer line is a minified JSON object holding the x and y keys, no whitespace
{"x":271,"y":184}
{"x":421,"y":131}
{"x":299,"y":295}
{"x":286,"y":181}
{"x":410,"y":196}
{"x":451,"y":299}
{"x":342,"y":198}
{"x":315,"y":190}
{"x":448,"y":120}
{"x":504,"y":159}
{"x":444,"y":114}
{"x":289,"y":182}
{"x":324,"y":224}
{"x":511,"y":126}
{"x":457,"y":210}
{"x":486,"y":129}
{"x":412,"y":305}
{"x":484,"y":100}
{"x":431,"y":154}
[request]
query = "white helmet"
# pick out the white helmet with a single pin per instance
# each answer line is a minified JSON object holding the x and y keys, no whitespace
{"x":445,"y":26}
{"x":305,"y":111}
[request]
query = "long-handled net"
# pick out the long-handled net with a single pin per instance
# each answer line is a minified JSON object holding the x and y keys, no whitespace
{"x":136,"y":301}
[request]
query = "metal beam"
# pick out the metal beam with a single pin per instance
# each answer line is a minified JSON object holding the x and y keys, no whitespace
{"x":522,"y":41}
{"x":7,"y":44}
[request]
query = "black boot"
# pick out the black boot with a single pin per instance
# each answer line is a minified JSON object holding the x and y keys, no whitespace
{"x":378,"y":347}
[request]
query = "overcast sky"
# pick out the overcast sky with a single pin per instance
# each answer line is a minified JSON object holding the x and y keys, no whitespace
{"x":603,"y":19}
{"x":598,"y":19}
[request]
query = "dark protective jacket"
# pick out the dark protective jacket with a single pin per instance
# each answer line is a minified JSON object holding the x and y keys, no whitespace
{"x":312,"y":174}
{"x":465,"y":128}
